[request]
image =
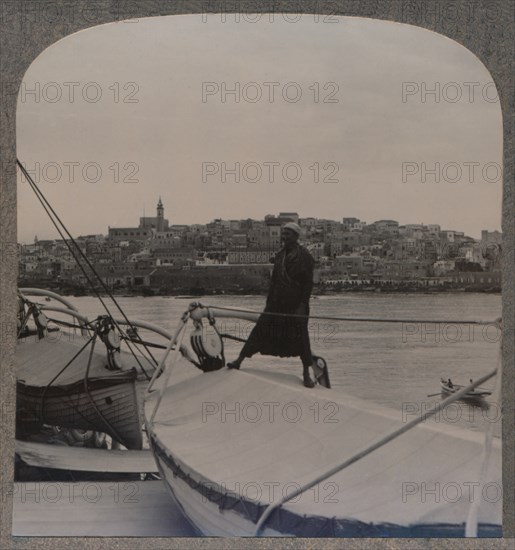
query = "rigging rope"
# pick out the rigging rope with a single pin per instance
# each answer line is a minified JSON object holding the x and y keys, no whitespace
{"x":178,"y":342}
{"x":63,"y":323}
{"x":48,"y":208}
{"x":59,"y":374}
{"x":90,"y":397}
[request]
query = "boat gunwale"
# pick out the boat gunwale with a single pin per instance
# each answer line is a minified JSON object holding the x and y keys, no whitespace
{"x":93,"y":383}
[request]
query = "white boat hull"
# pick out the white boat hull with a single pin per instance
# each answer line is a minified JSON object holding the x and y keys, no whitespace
{"x":219,"y":470}
{"x":204,"y":514}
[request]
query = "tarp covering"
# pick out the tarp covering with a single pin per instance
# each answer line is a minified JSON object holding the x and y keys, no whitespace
{"x":219,"y":427}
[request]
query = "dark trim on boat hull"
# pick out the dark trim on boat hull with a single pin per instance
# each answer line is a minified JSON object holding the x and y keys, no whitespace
{"x":288,"y":523}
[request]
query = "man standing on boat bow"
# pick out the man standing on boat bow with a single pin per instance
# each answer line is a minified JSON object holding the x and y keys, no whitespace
{"x":290,"y":290}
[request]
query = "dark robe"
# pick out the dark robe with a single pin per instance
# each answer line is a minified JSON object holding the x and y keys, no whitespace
{"x":291,"y":285}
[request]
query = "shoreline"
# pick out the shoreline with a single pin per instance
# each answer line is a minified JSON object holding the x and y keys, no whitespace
{"x":77,"y":291}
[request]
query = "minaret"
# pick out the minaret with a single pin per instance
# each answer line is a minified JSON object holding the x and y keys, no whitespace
{"x":160,"y":217}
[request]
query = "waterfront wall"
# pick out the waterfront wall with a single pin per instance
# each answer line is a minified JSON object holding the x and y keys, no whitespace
{"x":217,"y":277}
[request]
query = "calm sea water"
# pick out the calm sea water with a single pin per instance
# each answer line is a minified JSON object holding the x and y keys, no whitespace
{"x":396,"y":365}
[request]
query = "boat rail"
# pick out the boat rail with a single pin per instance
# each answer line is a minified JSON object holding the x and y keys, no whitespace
{"x":209,"y":312}
{"x":206,"y":311}
{"x":69,"y":310}
{"x":83,"y":319}
{"x":47,"y":293}
{"x":72,"y":312}
{"x":135,"y":323}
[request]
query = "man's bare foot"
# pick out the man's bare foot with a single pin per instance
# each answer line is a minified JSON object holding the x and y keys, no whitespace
{"x":308,"y":381}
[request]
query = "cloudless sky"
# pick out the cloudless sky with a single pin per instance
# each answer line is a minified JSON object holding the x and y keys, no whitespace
{"x":150,"y":124}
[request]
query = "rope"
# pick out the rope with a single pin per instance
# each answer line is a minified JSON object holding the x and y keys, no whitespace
{"x":231,"y":337}
{"x":149,"y":344}
{"x":90,"y":397}
{"x":24,"y":322}
{"x":48,"y":208}
{"x":64,"y":323}
{"x":359,"y":319}
{"x":169,"y":370}
{"x":172,"y":341}
{"x":59,"y":374}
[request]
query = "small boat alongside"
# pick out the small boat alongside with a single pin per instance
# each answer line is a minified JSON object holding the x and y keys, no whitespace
{"x":80,"y":379}
{"x":103,"y":402}
{"x":473,"y":395}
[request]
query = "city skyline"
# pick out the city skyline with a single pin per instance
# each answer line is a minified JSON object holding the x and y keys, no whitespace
{"x":43,"y":236}
{"x":384,"y":251}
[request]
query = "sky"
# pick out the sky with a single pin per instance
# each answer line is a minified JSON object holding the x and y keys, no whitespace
{"x":112,"y":118}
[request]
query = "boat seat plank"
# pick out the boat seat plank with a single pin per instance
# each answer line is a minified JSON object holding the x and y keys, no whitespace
{"x":82,"y":459}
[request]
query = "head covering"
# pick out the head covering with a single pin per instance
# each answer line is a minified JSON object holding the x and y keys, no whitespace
{"x":293,"y":226}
